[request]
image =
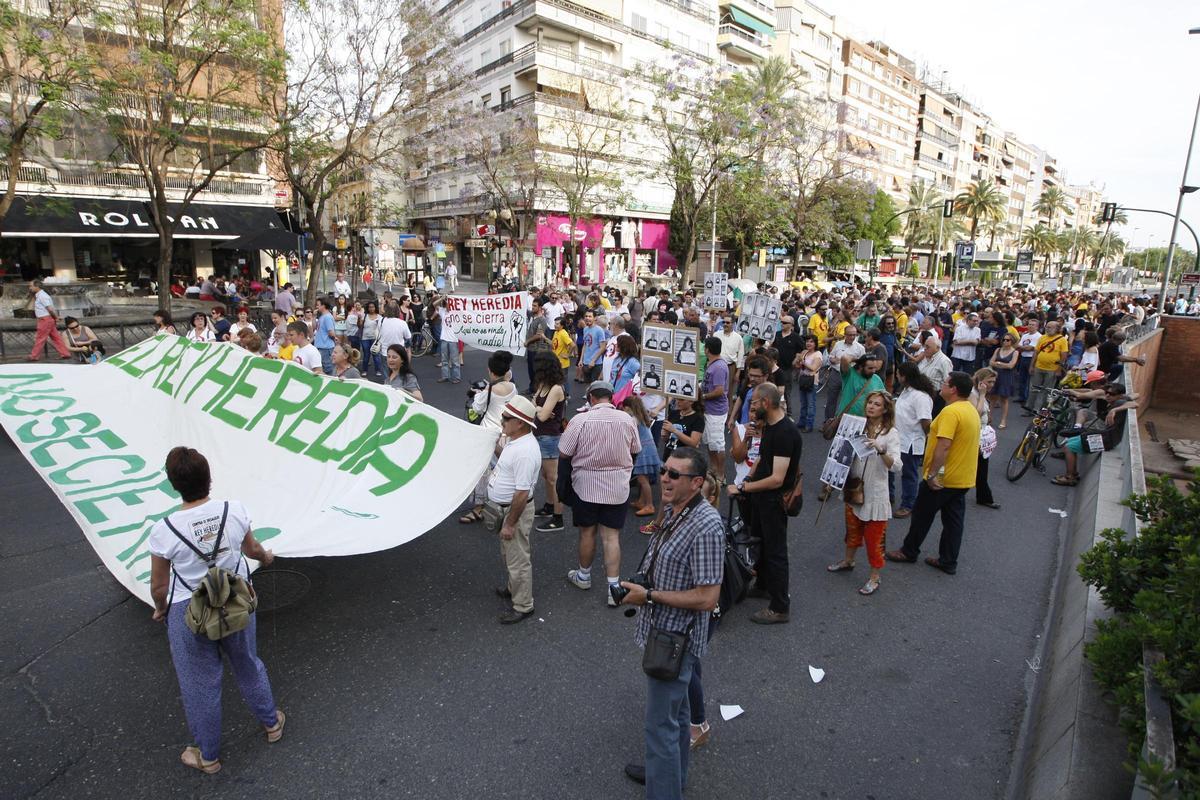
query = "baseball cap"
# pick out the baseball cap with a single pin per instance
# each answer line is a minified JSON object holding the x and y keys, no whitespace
{"x":600,"y":387}
{"x":1094,"y":375}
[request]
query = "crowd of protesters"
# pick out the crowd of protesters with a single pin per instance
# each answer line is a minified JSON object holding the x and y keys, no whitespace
{"x":932,"y":373}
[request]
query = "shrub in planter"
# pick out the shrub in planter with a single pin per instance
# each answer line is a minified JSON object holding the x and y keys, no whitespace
{"x":1152,"y":583}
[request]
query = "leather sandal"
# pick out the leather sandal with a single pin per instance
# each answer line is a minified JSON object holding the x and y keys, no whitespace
{"x":870,"y":587}
{"x":275,"y":732}
{"x":191,"y":758}
{"x":841,"y":566}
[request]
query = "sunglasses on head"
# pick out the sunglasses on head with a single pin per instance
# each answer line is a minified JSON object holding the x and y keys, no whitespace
{"x":675,"y":474}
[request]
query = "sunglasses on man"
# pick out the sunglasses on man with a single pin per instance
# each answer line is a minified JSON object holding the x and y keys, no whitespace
{"x":675,"y":474}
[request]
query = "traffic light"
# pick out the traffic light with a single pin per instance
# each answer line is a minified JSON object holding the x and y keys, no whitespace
{"x":948,"y":209}
{"x":1109,"y":213}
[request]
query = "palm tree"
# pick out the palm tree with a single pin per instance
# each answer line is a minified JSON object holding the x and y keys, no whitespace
{"x":1107,"y":246}
{"x":1051,"y":202}
{"x":921,"y":224}
{"x":981,"y":200}
{"x":996,"y":227}
{"x":1081,"y":241}
{"x":1121,"y":218}
{"x":1043,"y":241}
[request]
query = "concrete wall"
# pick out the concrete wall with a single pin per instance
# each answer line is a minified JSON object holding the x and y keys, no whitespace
{"x":1176,"y":387}
{"x":1072,"y":747}
{"x":1138,"y":379}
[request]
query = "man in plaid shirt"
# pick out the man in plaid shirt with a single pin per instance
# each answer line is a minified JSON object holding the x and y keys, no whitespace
{"x":685,"y":564}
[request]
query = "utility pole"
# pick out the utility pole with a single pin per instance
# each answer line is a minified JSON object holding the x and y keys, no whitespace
{"x":1183,"y":189}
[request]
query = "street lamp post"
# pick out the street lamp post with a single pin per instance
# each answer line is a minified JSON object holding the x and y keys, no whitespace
{"x":1183,"y":190}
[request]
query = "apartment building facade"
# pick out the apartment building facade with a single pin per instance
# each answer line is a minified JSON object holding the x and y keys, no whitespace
{"x":82,"y":214}
{"x":808,"y":37}
{"x":561,"y":62}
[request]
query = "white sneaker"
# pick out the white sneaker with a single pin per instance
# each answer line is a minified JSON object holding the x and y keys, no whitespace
{"x":611,"y":602}
{"x":579,"y":583}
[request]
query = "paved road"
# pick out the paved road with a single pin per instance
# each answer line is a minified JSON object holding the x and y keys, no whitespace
{"x":399,"y":683}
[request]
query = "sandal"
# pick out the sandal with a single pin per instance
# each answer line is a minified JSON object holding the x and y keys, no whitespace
{"x":191,"y":758}
{"x":649,"y":528}
{"x":870,"y":587}
{"x":841,"y":566}
{"x":275,"y":732}
{"x":1066,"y":480}
{"x":474,"y":515}
{"x":645,"y":511}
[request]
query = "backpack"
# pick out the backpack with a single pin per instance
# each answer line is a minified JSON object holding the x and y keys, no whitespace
{"x":223,"y":601}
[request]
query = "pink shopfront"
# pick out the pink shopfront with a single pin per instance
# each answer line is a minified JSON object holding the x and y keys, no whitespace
{"x":606,"y":249}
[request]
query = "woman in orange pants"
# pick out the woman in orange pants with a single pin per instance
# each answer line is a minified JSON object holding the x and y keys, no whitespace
{"x":867,"y":516}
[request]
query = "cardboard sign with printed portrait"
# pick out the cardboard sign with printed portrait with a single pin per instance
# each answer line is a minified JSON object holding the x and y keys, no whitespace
{"x":670,"y":358}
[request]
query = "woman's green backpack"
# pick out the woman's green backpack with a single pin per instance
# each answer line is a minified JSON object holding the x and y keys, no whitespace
{"x":223,"y":601}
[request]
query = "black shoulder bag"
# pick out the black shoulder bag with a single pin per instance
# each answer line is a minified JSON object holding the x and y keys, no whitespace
{"x":662,"y":658}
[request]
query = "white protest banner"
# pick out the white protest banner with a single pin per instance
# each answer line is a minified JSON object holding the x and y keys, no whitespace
{"x":490,"y":322}
{"x":325,"y":467}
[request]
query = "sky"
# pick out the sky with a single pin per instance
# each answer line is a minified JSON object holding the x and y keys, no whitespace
{"x":1108,"y":87}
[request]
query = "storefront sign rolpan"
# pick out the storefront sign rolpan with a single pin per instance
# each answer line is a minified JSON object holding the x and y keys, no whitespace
{"x":79,"y":216}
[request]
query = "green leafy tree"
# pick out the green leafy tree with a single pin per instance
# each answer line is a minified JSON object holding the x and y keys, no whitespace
{"x":980,"y":201}
{"x":860,"y":212}
{"x":1121,"y":218}
{"x":43,"y":55}
{"x":184,"y":91}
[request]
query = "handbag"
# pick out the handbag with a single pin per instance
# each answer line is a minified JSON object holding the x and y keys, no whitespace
{"x":829,"y":427}
{"x":805,"y":381}
{"x":377,"y":347}
{"x":853,"y":492}
{"x":793,"y":498}
{"x":987,"y":441}
{"x":735,"y":580}
{"x":663,"y":657}
{"x":493,"y":516}
{"x":562,"y":485}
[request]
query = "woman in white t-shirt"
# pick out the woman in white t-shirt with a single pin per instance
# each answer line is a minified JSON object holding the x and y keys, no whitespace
{"x":204,"y":532}
{"x":199,"y":330}
{"x":277,"y":338}
{"x":243,"y":324}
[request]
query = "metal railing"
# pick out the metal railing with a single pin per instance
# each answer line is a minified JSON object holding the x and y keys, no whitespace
{"x":934,"y":135}
{"x":114,"y":335}
{"x":130,"y":179}
{"x":741,"y":33}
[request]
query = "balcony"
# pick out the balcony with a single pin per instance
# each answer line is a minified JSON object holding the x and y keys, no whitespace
{"x":735,"y":39}
{"x":75,"y":180}
{"x":936,"y":162}
{"x":558,"y":67}
{"x":756,"y":8}
{"x":569,"y":16}
{"x":935,"y":135}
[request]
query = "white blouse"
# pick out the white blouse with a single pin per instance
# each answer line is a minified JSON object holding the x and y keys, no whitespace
{"x":877,"y":505}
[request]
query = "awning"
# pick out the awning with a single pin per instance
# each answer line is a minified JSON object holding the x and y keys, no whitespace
{"x":49,"y":217}
{"x":276,"y":240}
{"x":748,"y":21}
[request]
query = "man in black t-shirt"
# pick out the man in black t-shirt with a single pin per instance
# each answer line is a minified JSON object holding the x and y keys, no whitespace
{"x":683,"y":424}
{"x":1111,"y":406}
{"x":1112,"y":360}
{"x":775,"y":473}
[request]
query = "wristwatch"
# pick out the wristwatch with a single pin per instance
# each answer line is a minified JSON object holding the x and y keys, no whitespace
{"x":649,"y":597}
{"x":741,"y":487}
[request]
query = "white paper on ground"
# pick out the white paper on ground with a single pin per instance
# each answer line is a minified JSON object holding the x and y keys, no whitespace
{"x":816,"y":673}
{"x":729,"y":712}
{"x":1058,"y":511}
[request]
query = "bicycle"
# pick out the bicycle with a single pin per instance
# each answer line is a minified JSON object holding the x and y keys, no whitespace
{"x":1042,"y":435}
{"x":422,"y":341}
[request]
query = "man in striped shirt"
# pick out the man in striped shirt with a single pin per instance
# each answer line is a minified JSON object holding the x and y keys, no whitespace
{"x":601,"y":444}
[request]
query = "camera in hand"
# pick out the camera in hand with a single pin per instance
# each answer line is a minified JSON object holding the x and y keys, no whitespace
{"x":618,"y":591}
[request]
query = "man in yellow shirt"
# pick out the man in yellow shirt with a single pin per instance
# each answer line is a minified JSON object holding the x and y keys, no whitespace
{"x":1048,"y":358}
{"x":562,"y":344}
{"x":951,"y":458}
{"x":818,"y":325}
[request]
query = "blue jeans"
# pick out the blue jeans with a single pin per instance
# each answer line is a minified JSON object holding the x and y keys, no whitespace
{"x":369,"y":358}
{"x":326,"y":359}
{"x":448,"y":353}
{"x":966,"y":365}
{"x":910,"y":479}
{"x":668,"y":735}
{"x":1023,"y":380}
{"x":808,"y":408}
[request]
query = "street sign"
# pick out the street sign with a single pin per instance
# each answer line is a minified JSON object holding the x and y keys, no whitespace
{"x":964,"y":254}
{"x":485,"y":230}
{"x":1024,"y":258}
{"x":864,"y":250}
{"x":1024,"y":277}
{"x":476,"y":242}
{"x":341,"y":243}
{"x":1190,"y":279}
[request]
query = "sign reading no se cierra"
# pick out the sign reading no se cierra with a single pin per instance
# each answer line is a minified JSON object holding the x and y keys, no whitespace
{"x":325,"y":467}
{"x":490,"y":322}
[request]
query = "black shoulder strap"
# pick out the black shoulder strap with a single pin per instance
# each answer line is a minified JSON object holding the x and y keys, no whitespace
{"x":211,"y":557}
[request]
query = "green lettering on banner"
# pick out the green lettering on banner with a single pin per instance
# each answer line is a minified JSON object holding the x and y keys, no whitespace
{"x":215,"y":375}
{"x":167,"y":366}
{"x":12,"y":406}
{"x":10,"y":383}
{"x":241,"y":388}
{"x":263,"y":534}
{"x":157,"y":475}
{"x":90,"y":508}
{"x":280,"y":407}
{"x":41,"y":454}
{"x":63,"y":477}
{"x":27,"y":432}
{"x":312,"y":413}
{"x":208,"y":354}
{"x":130,"y":352}
{"x":373,"y":455}
{"x":368,"y":395}
{"x":132,"y":355}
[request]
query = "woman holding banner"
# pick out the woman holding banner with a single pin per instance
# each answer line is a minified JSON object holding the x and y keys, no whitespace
{"x":489,"y":404}
{"x":200,"y":533}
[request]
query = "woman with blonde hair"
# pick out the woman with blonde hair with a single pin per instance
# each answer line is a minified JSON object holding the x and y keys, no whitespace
{"x":985,"y":381}
{"x":345,"y":360}
{"x":868,"y":507}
